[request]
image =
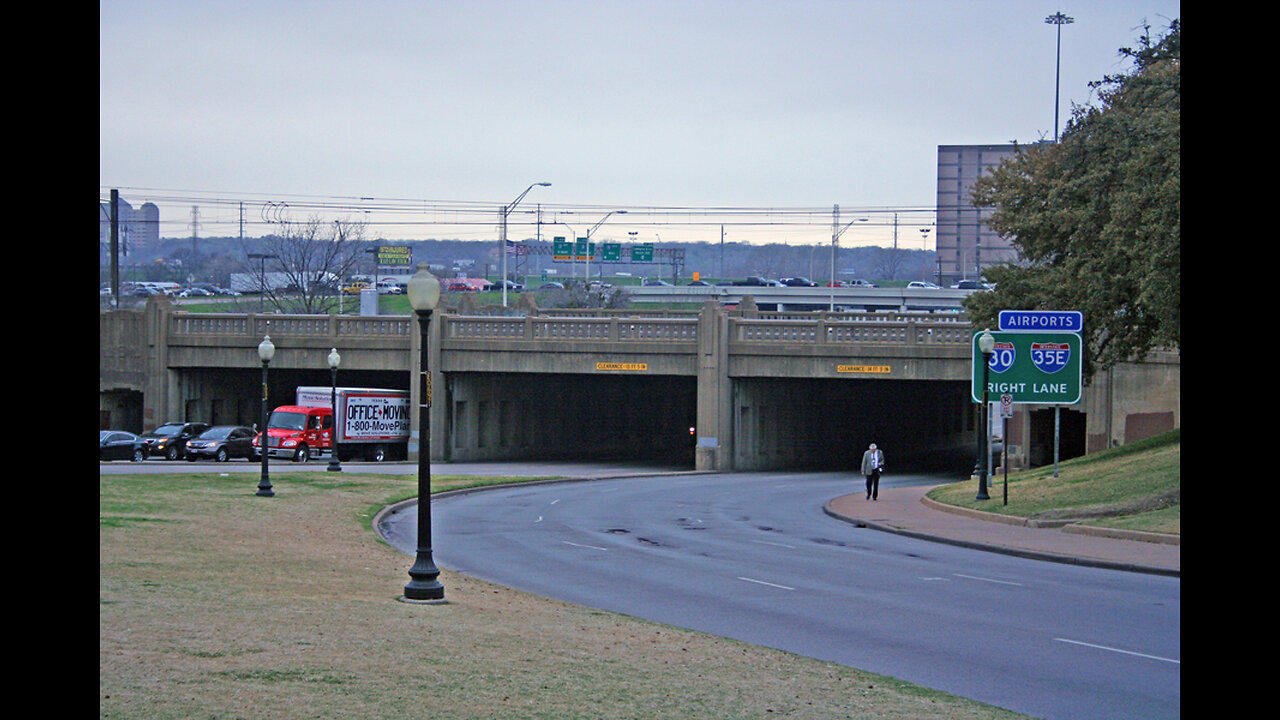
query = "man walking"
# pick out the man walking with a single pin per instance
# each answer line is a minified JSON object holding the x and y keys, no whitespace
{"x":872,"y":464}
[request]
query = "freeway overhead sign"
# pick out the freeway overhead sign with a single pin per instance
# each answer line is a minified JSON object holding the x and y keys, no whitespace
{"x":1031,"y":367}
{"x":1042,"y":320}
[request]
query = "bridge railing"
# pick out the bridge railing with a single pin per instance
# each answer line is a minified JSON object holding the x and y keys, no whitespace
{"x":256,"y":325}
{"x":570,"y":328}
{"x":826,"y":331}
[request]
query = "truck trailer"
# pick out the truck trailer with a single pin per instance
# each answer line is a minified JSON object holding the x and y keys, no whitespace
{"x":373,"y":424}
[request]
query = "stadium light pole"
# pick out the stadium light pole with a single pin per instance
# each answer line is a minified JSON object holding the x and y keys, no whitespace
{"x":1057,"y":19}
{"x":506,"y":210}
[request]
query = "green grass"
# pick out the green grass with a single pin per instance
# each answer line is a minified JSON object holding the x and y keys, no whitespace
{"x":216,"y":603}
{"x":1135,"y":487}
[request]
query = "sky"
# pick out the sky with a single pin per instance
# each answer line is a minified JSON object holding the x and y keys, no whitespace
{"x":424,"y":118}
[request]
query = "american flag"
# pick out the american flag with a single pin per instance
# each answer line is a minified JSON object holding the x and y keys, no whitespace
{"x":514,"y":248}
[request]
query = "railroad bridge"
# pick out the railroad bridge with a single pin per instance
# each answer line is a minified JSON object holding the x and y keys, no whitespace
{"x":716,"y":389}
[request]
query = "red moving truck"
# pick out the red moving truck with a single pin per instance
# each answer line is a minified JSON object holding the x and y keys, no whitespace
{"x":373,"y":424}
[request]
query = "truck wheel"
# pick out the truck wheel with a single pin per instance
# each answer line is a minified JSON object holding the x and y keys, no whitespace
{"x":302,"y":455}
{"x":378,"y":453}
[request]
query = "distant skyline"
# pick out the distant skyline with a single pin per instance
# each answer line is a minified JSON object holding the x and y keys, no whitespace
{"x":424,"y":118}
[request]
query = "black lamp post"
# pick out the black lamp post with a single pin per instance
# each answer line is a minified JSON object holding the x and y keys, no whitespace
{"x":424,"y":586}
{"x":266,"y":351}
{"x":986,"y":343}
{"x":334,"y":359}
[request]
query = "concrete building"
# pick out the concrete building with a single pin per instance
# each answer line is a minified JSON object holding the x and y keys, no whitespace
{"x":139,"y":228}
{"x":965,"y":244}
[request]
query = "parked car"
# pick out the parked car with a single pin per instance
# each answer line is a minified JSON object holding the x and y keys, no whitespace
{"x":195,"y":292}
{"x":922,"y":284}
{"x":170,"y":439}
{"x":223,"y":442}
{"x":121,"y":445}
{"x":798,"y":282}
{"x":389,"y":288}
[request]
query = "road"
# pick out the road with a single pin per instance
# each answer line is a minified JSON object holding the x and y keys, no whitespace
{"x":751,"y":556}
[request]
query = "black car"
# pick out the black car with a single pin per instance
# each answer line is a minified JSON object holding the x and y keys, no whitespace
{"x":798,"y":282}
{"x":121,"y":445}
{"x":223,"y":442}
{"x":169,"y":441}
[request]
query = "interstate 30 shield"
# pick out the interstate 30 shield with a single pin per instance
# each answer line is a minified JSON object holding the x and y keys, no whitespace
{"x":1002,"y":357}
{"x":1050,"y":357}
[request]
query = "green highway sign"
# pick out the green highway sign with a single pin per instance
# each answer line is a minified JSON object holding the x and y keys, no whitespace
{"x":610,"y":252}
{"x":1030,"y":367}
{"x":561,"y":249}
{"x":642,"y":253}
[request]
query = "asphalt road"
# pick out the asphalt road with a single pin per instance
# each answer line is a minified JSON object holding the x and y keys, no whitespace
{"x":751,"y":556}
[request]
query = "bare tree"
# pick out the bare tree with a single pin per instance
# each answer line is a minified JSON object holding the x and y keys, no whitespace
{"x":312,"y":257}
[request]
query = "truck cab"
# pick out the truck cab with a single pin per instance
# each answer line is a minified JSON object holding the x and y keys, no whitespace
{"x":299,"y":433}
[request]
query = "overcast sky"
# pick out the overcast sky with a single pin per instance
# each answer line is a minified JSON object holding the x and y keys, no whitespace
{"x":629,"y":104}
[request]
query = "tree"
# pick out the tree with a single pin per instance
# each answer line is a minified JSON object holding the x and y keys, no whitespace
{"x":1096,"y":218}
{"x":314,"y":256}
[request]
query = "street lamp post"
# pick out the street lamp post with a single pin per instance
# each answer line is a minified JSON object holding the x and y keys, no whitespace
{"x":836,"y":232}
{"x":1057,"y":19}
{"x":924,"y":247}
{"x":334,"y":359}
{"x":424,"y":585}
{"x":506,"y":210}
{"x":586,"y":275}
{"x":266,"y":351}
{"x":986,"y":343}
{"x":262,"y":259}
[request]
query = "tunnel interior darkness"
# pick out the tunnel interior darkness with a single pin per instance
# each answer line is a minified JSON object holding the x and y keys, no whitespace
{"x":778,"y":423}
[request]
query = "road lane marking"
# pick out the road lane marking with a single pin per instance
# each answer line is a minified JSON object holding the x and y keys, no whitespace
{"x":762,"y":582}
{"x":990,"y":580}
{"x":1126,"y":652}
{"x":591,"y":547}
{"x":776,"y":544}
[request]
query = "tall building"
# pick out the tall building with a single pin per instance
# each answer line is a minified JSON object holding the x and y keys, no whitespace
{"x":138,"y":228}
{"x":965,"y":244}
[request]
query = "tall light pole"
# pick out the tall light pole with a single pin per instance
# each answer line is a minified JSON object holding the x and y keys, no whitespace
{"x":424,"y":585}
{"x":986,"y":343}
{"x":1057,"y":19}
{"x":262,"y":259}
{"x":266,"y":351}
{"x":506,"y":210}
{"x":586,"y":275}
{"x":924,"y":246}
{"x":836,"y":232}
{"x":334,"y":359}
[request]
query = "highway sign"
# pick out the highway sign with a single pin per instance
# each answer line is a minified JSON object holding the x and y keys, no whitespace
{"x":1042,"y":320}
{"x":1031,"y":368}
{"x":642,"y":253}
{"x":561,"y":249}
{"x":610,"y":252}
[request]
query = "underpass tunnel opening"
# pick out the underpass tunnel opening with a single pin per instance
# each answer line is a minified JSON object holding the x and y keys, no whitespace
{"x":826,"y":424}
{"x":233,"y":396}
{"x":571,"y":417}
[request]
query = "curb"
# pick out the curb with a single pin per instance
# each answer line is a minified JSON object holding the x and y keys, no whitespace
{"x":1068,"y":525}
{"x":1016,"y":552}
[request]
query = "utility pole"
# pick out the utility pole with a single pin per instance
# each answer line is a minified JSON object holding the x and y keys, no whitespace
{"x":195,"y":228}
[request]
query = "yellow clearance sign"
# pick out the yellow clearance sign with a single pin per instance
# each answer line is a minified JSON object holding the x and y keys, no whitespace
{"x":868,"y":369}
{"x":634,"y":367}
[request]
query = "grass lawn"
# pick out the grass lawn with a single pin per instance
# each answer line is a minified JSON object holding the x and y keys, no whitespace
{"x":217,"y":604}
